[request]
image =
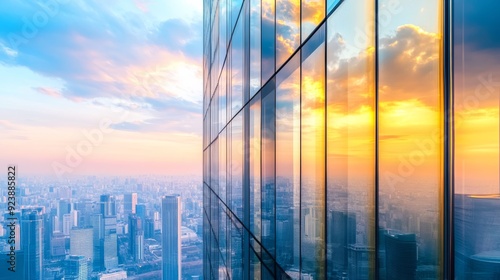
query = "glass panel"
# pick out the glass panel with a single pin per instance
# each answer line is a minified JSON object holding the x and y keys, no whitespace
{"x":237,"y":69}
{"x":268,"y":168}
{"x":313,"y":12}
{"x":222,"y":31}
{"x":268,"y":39}
{"x":222,"y":232}
{"x":288,"y":165}
{"x":313,"y":157}
{"x":410,"y":117}
{"x":237,"y":166}
{"x":222,"y":99}
{"x":334,"y":3}
{"x":254,"y":46}
{"x":255,"y":266}
{"x":351,"y":143}
{"x":477,"y":123}
{"x":254,"y":170}
{"x":235,"y":10}
{"x":237,"y":253}
{"x":287,"y":29}
{"x":222,"y":165}
{"x":214,"y":164}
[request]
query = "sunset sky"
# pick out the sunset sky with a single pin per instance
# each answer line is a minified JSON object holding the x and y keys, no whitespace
{"x":68,"y":66}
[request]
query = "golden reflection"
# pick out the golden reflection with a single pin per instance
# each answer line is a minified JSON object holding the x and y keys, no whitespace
{"x":313,"y":12}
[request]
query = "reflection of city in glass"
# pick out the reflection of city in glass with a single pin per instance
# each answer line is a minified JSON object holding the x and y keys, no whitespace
{"x":344,"y":140}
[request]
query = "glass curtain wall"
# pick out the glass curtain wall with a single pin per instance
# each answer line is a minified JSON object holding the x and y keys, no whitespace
{"x":326,"y":149}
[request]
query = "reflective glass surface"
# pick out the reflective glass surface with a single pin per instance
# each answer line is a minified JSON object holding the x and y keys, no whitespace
{"x":313,"y":157}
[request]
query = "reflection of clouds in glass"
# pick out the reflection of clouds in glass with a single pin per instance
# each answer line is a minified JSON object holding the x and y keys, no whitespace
{"x":287,"y":29}
{"x":313,"y":12}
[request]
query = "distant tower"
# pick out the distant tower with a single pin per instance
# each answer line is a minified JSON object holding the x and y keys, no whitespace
{"x":67,"y":224}
{"x":136,"y":237}
{"x":129,"y":203}
{"x":76,"y":268}
{"x":401,"y":255}
{"x":108,"y":212}
{"x":81,"y":242}
{"x":64,"y":208}
{"x":171,"y":237}
{"x":31,"y":243}
{"x":140,"y":210}
{"x":97,"y":223}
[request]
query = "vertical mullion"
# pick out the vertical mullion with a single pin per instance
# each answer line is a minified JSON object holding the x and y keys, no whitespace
{"x":448,"y":234}
{"x":377,"y":169}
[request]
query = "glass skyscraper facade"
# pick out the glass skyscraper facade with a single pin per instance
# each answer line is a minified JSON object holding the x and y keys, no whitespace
{"x":354,"y":139}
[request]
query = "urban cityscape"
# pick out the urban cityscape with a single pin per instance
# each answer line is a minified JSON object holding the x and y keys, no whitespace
{"x":105,"y":228}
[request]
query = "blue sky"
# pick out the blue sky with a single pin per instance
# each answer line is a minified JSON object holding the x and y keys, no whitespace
{"x":66,"y":65}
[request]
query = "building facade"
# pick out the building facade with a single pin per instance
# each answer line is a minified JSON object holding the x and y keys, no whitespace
{"x":340,"y":135}
{"x":32,"y":242}
{"x":171,"y":237}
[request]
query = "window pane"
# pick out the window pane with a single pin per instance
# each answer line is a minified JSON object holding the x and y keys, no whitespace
{"x":237,"y":253}
{"x":287,"y":29}
{"x":268,"y":169}
{"x":288,"y":165}
{"x":254,"y":170}
{"x":222,"y":165}
{"x":237,"y":166}
{"x":237,"y":69}
{"x":313,"y":156}
{"x":255,"y":46}
{"x":222,"y":31}
{"x":476,"y":97}
{"x":313,"y":12}
{"x":268,"y":37}
{"x":351,"y":143}
{"x":410,"y":116}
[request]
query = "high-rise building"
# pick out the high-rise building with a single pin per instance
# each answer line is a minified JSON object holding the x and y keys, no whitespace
{"x":136,"y":237}
{"x":98,"y":242}
{"x":76,"y":268}
{"x":67,"y":224}
{"x":385,"y":110}
{"x":342,"y":233}
{"x":140,"y":210}
{"x":401,"y":255}
{"x":82,"y":242}
{"x":477,"y":235}
{"x":129,"y":203}
{"x":149,"y":228}
{"x":110,"y":246}
{"x":64,"y":207}
{"x":171,"y":237}
{"x":32,"y":243}
{"x":48,"y":230}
